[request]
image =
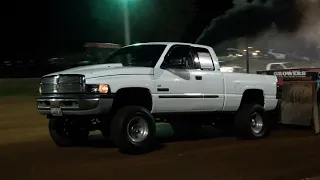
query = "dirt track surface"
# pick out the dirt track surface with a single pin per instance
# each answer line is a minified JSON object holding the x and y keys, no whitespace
{"x":27,"y":152}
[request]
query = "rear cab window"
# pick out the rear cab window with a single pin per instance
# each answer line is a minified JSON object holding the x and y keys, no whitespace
{"x":276,"y":66}
{"x":203,"y":58}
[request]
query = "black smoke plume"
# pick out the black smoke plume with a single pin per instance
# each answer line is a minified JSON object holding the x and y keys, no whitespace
{"x":250,"y":19}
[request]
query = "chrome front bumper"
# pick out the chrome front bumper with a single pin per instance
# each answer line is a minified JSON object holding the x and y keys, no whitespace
{"x":79,"y":104}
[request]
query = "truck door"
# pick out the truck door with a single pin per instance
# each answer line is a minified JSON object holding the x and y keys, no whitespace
{"x":178,"y":84}
{"x":212,"y":83}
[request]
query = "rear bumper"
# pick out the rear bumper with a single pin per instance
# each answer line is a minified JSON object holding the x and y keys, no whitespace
{"x":74,"y":105}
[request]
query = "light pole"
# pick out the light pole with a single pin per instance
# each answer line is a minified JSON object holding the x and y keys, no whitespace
{"x":126,"y":23}
{"x":247,"y":55}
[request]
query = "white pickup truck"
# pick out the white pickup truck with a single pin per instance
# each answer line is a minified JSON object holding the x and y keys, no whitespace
{"x":142,"y":84}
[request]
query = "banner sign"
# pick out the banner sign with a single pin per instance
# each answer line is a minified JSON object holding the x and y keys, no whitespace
{"x":290,"y":73}
{"x":294,"y":74}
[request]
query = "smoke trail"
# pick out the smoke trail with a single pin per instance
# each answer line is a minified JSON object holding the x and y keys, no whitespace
{"x":235,"y":23}
{"x":250,"y":19}
{"x":310,"y":25}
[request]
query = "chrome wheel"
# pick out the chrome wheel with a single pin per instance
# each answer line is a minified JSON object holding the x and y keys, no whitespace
{"x":256,"y":123}
{"x":137,"y":129}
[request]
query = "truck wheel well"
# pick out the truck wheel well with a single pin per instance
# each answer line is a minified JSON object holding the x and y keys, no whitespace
{"x":133,"y":96}
{"x":253,"y":96}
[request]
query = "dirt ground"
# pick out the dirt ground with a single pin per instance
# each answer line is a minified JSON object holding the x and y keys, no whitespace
{"x":27,"y":152}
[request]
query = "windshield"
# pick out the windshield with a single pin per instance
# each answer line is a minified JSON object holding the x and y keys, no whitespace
{"x":140,"y":55}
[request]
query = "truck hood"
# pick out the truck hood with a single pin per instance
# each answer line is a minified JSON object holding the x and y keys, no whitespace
{"x":100,"y":70}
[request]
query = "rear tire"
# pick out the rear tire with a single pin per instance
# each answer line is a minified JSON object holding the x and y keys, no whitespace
{"x":251,"y":122}
{"x":65,"y":134}
{"x":133,"y":130}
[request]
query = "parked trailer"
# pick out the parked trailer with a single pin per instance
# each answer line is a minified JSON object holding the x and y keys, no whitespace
{"x":299,"y":96}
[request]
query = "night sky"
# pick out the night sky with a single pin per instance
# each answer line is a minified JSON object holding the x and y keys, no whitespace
{"x":40,"y":30}
{"x":34,"y":30}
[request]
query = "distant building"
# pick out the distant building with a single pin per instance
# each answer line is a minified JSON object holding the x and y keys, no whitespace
{"x":101,"y":50}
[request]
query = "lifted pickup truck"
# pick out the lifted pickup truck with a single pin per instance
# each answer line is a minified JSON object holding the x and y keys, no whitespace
{"x":142,"y":84}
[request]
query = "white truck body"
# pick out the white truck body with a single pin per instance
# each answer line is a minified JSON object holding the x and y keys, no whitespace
{"x":217,"y":91}
{"x":142,"y":84}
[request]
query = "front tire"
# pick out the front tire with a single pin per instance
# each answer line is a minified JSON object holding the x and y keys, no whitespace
{"x":251,"y":122}
{"x":66,"y":134}
{"x":133,"y":130}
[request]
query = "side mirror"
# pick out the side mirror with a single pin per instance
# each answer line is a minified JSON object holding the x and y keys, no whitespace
{"x":176,"y":63}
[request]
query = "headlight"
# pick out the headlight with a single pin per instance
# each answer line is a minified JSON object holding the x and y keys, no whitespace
{"x":40,"y":90}
{"x":98,"y":88}
{"x":104,"y":88}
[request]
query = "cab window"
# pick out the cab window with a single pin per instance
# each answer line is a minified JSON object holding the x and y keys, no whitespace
{"x":203,"y":57}
{"x":179,"y":57}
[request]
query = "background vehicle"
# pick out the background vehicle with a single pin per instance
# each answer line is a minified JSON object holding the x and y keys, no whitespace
{"x":276,"y":55}
{"x":280,"y":65}
{"x":237,"y":69}
{"x":142,"y":84}
{"x":296,"y":56}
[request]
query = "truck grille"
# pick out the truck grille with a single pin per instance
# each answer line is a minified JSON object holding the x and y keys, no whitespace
{"x":63,"y":84}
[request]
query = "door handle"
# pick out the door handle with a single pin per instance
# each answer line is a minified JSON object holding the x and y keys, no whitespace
{"x":198,"y":77}
{"x":163,"y":89}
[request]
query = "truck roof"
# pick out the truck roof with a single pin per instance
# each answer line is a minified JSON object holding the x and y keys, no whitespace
{"x":278,"y":63}
{"x":169,"y":43}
